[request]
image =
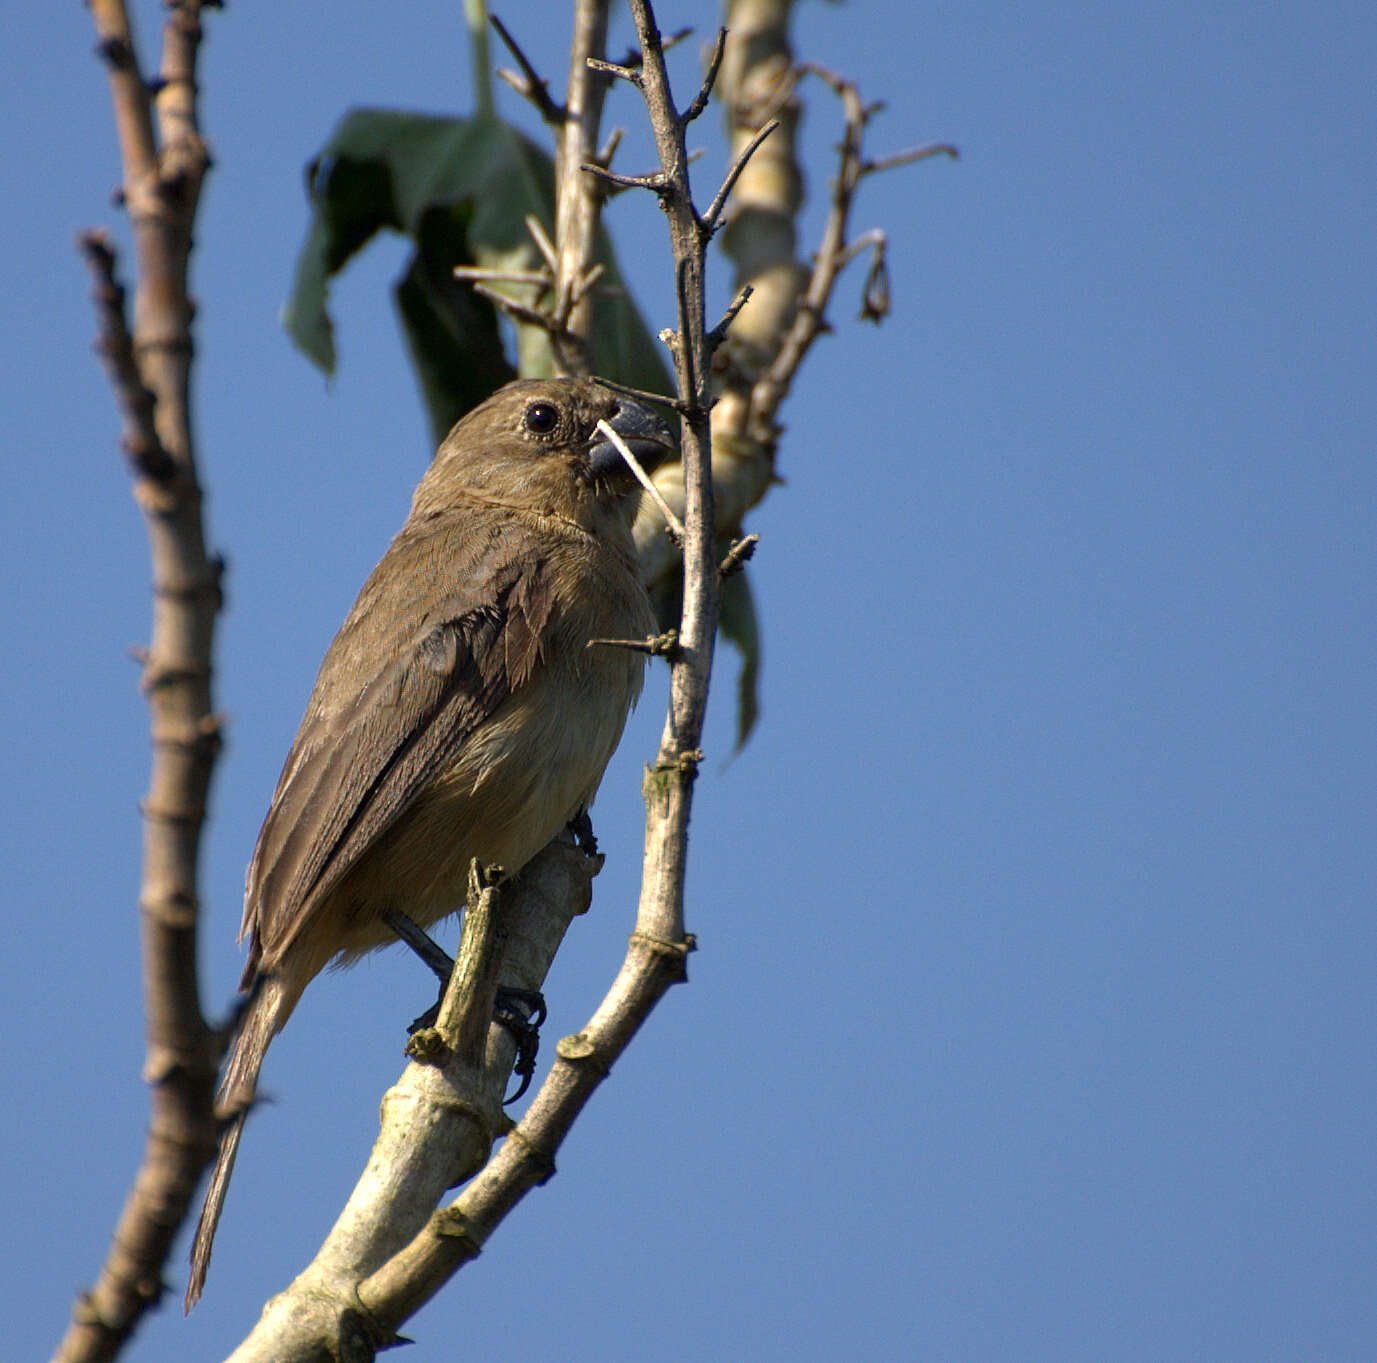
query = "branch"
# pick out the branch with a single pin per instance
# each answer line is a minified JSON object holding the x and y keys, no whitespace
{"x":577,"y":196}
{"x":164,"y":164}
{"x":437,"y":1127}
{"x":366,"y":1281}
{"x":769,"y":342}
{"x":529,"y":83}
{"x":834,"y":252}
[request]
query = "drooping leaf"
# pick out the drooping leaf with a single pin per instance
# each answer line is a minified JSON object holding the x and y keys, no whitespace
{"x":460,"y":189}
{"x":740,"y":627}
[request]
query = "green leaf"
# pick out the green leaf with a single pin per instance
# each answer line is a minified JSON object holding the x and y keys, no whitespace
{"x":460,"y":189}
{"x":740,"y":627}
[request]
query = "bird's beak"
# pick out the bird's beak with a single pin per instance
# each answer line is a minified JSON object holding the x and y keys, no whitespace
{"x":645,"y":435}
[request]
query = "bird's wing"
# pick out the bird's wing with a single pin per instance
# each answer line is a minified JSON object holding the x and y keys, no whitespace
{"x":402,"y":686}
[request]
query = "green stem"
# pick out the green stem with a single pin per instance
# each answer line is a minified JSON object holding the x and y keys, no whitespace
{"x":476,"y":17}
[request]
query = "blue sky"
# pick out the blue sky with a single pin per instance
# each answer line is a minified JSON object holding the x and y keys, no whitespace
{"x":1033,"y":1014}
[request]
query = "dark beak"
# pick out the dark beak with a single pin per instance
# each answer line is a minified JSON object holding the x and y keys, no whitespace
{"x":645,"y":434}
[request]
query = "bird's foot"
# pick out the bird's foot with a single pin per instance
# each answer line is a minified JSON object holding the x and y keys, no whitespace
{"x":581,"y":826}
{"x":521,"y":1011}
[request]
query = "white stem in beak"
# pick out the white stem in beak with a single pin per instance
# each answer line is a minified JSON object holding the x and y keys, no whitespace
{"x":676,"y":526}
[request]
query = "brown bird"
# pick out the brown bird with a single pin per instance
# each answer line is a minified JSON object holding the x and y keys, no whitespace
{"x":459,"y":712}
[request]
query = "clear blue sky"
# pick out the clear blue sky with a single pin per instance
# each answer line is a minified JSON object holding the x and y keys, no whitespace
{"x":1034,"y":1013}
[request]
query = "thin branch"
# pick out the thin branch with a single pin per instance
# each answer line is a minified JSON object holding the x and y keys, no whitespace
{"x":530,"y":84}
{"x":617,"y":72}
{"x":710,"y":218}
{"x":654,"y":181}
{"x":907,"y":158}
{"x":584,"y":285}
{"x":700,"y":100}
{"x":477,"y":272}
{"x":664,"y":645}
{"x":719,"y":333}
{"x":164,"y":163}
{"x":543,"y":243}
{"x":644,"y":394}
{"x":676,"y":526}
{"x":140,"y":440}
{"x":521,"y":312}
{"x":835,"y":252}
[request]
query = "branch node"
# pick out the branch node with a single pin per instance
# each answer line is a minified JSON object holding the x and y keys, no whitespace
{"x":449,"y":1223}
{"x":738,"y":555}
{"x":534,"y":1153}
{"x":580,"y":1049}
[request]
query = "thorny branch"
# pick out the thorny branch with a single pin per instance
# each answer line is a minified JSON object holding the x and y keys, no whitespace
{"x":755,"y":369}
{"x":835,"y":252}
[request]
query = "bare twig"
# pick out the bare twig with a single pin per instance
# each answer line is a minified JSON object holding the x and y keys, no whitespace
{"x":644,"y":394}
{"x":676,"y":526}
{"x":909,"y":157}
{"x":834,"y":252}
{"x":654,"y":181}
{"x":700,"y":100}
{"x":616,"y":71}
{"x":529,"y":83}
{"x":664,"y":645}
{"x":164,"y":163}
{"x":543,"y":243}
{"x":719,"y":333}
{"x":140,"y":440}
{"x":478,"y":273}
{"x":522,"y":312}
{"x":710,"y":218}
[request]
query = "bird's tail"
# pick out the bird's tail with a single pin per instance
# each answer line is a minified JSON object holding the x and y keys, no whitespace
{"x":262,"y":1017}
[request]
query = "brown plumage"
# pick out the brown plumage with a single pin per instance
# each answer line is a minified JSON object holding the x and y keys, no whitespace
{"x":458,"y":712}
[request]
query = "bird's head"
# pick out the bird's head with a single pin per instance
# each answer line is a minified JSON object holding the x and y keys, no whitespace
{"x":535,"y":445}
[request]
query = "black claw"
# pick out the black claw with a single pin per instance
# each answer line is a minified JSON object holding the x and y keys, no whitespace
{"x":581,"y":826}
{"x":521,"y":1011}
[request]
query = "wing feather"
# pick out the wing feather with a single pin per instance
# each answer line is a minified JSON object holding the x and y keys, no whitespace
{"x":418,"y":687}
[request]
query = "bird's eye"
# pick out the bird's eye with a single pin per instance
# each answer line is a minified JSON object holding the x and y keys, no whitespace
{"x":541,"y":418}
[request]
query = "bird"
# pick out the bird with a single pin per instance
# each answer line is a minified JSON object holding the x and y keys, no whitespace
{"x":459,"y":712}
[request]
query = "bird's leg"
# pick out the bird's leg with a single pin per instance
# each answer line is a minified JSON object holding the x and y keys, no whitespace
{"x":520,"y":1011}
{"x":422,"y":943}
